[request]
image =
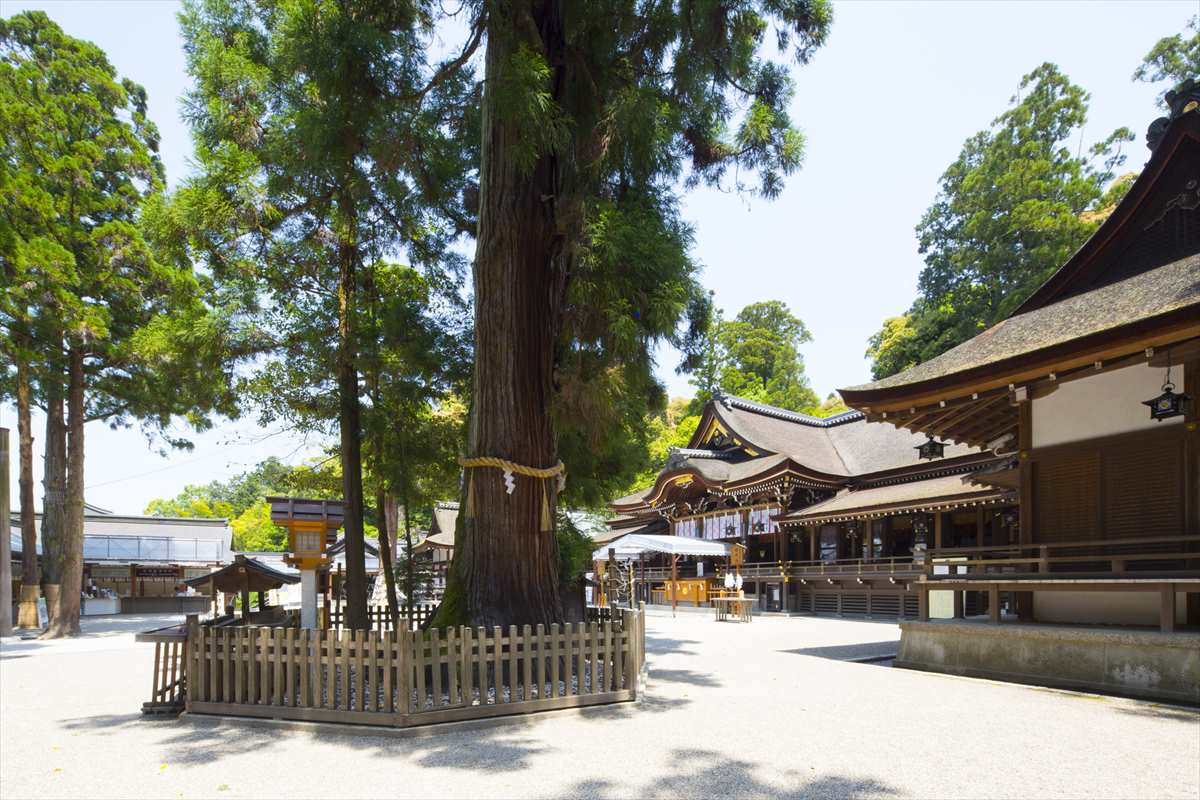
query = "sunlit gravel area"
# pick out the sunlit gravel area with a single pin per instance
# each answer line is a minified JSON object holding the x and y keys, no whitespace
{"x":797,"y":707}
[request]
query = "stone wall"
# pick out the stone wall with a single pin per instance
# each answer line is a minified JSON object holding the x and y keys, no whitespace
{"x":1162,"y":666}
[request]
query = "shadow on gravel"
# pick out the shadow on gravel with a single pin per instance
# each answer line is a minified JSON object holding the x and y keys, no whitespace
{"x":662,"y":645}
{"x":709,"y":773}
{"x":106,"y":722}
{"x":1156,"y":711}
{"x":688,"y":676}
{"x":849,"y":652}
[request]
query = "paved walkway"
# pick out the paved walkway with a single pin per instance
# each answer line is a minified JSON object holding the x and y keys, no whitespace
{"x":767,"y":709}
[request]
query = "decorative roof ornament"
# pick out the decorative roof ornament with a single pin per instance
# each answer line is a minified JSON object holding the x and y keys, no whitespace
{"x":1181,"y":100}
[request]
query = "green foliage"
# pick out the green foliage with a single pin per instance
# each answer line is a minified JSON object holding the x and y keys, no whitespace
{"x":254,"y":531}
{"x":756,"y":355}
{"x":240,"y":499}
{"x":1173,"y":59}
{"x":672,"y":427}
{"x":1011,"y":209}
{"x":574,"y":551}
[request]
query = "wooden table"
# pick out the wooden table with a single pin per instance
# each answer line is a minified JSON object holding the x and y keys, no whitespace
{"x":738,"y":608}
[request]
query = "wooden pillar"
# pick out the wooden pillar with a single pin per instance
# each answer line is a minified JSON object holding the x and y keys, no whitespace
{"x":1166,"y":619}
{"x":937,"y":529}
{"x":980,"y":527}
{"x":674,"y":583}
{"x":922,"y":602}
{"x":1025,"y":514}
{"x":958,"y":604}
{"x":245,"y":597}
{"x":133,"y":581}
{"x":994,"y":603}
{"x":812,"y":541}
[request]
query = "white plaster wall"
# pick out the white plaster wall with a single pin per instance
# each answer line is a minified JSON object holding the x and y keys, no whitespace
{"x":151,"y":528}
{"x":1104,"y":608}
{"x":1102,"y":404}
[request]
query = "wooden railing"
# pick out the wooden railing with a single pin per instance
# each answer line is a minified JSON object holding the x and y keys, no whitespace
{"x":407,"y":678}
{"x":1112,"y":557}
{"x":843,"y":567}
{"x":380,"y":619}
{"x":169,"y":681}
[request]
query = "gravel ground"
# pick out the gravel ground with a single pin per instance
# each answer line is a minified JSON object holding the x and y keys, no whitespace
{"x":778,"y":708}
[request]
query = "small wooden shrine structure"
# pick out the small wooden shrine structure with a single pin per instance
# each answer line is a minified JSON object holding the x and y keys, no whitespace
{"x":243,"y":576}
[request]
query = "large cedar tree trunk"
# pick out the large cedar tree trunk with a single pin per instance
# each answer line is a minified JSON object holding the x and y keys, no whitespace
{"x":54,"y":486}
{"x":505,"y":569}
{"x":29,"y":561}
{"x":350,"y":423}
{"x":66,"y":621}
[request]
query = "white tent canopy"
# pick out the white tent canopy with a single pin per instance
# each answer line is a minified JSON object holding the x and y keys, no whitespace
{"x":632,"y":545}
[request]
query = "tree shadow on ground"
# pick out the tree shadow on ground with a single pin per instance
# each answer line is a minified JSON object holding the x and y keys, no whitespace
{"x":849,"y":652}
{"x":108,"y":722}
{"x":708,"y":773}
{"x":688,"y":676}
{"x":664,"y":645}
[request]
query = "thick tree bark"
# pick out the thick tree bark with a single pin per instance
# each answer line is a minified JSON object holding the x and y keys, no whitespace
{"x":66,"y":621}
{"x":505,"y":569}
{"x":54,"y":486}
{"x":350,"y":423}
{"x":386,"y":534}
{"x":29,"y":560}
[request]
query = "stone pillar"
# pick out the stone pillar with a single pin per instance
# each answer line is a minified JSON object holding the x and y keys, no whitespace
{"x":308,"y":598}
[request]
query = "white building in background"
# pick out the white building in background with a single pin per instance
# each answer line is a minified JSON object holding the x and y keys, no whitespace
{"x":136,"y":558}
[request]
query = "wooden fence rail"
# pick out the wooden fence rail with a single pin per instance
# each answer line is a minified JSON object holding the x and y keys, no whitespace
{"x":380,"y":620}
{"x":405,"y":678}
{"x":168,"y":681}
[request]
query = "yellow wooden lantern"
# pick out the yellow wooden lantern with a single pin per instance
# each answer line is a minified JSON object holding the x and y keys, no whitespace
{"x":311,"y":526}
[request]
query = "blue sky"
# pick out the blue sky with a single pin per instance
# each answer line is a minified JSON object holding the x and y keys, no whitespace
{"x":885,"y":107}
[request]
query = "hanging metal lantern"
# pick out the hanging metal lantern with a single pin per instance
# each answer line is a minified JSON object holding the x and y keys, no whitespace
{"x":730,"y":530}
{"x":759,"y":527}
{"x":1168,"y":404}
{"x":929,"y":449}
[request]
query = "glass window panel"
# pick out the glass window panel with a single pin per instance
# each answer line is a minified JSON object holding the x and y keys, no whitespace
{"x":122,"y":547}
{"x":155,"y":549}
{"x":95,"y":547}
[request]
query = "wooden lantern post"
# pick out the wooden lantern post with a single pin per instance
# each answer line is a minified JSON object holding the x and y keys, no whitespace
{"x":311,"y":526}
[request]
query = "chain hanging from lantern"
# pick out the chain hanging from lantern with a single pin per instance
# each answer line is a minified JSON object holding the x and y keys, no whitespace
{"x":511,"y":469}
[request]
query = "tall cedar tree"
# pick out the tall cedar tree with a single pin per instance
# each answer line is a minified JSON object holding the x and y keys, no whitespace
{"x":326,"y":144}
{"x":105,"y":325}
{"x":1018,"y":200}
{"x":591,"y":113}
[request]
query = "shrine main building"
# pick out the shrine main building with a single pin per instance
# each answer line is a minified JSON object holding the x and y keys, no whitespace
{"x":835,"y":512}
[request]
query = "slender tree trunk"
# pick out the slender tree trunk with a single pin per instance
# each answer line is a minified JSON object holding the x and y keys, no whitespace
{"x":66,"y":622}
{"x":29,"y":559}
{"x":505,"y":569}
{"x":410,"y":572}
{"x":350,"y":423}
{"x":385,"y":556}
{"x":54,"y":485}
